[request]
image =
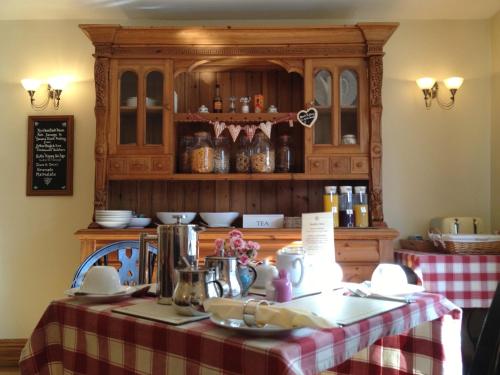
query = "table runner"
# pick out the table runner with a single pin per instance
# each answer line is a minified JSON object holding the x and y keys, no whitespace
{"x":469,"y":281}
{"x":78,"y":338}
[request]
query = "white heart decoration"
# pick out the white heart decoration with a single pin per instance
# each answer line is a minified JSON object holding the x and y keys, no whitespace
{"x":219,"y":128}
{"x":307,"y":117}
{"x":266,"y":128}
{"x":234,"y":130}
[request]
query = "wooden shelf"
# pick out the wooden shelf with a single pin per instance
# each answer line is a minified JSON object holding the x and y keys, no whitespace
{"x":234,"y":117}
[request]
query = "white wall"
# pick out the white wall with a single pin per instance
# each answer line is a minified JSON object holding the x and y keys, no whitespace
{"x":435,"y":162}
{"x":495,"y":125}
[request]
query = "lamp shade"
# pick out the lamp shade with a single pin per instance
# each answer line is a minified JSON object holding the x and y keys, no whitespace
{"x":30,"y":84}
{"x":58,"y":83}
{"x":426,"y":83}
{"x":453,"y":82}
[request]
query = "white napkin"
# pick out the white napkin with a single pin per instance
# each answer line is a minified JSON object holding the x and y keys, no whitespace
{"x":225,"y":308}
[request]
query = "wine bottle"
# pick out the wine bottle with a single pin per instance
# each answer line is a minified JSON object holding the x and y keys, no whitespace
{"x":217,"y":103}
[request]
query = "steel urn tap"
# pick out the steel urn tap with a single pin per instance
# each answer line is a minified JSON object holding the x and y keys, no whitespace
{"x":177,"y":243}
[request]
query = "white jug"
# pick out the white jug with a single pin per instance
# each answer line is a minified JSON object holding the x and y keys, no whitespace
{"x":291,"y":259}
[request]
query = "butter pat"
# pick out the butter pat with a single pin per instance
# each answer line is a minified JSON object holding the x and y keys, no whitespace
{"x":263,"y":221}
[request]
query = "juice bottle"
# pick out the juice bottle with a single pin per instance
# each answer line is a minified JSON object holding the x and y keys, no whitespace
{"x":360,"y":207}
{"x":346,"y":213}
{"x":331,"y":203}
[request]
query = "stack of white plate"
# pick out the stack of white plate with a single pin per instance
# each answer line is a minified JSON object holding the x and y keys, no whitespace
{"x":113,"y":219}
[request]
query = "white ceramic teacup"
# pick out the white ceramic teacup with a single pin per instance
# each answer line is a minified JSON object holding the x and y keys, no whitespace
{"x":387,"y":278}
{"x":101,"y":280}
{"x":291,"y":259}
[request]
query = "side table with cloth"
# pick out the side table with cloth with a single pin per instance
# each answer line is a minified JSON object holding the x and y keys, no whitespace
{"x":77,"y":338}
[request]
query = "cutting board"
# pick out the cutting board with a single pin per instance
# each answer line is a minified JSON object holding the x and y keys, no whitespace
{"x":343,"y":310}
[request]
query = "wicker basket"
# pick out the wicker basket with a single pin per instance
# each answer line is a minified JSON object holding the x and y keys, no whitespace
{"x":418,"y":245}
{"x":467,"y":243}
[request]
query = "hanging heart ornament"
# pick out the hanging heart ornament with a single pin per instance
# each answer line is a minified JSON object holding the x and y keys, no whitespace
{"x":307,"y":117}
{"x":266,"y":128}
{"x":218,"y":128}
{"x":234,"y":130}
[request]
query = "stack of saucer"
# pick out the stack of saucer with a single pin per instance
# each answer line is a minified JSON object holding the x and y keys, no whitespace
{"x":113,"y":219}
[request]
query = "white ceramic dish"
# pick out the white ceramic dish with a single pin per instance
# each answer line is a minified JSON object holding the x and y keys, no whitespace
{"x":110,"y":212}
{"x":219,"y":219}
{"x":348,"y":88}
{"x":168,"y":217}
{"x":113,"y":224}
{"x":100,"y":298}
{"x":139,"y":222}
{"x":239,"y":325}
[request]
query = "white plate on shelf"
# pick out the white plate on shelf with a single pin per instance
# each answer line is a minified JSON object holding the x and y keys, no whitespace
{"x":348,"y":88}
{"x":100,"y":298}
{"x":239,"y":326}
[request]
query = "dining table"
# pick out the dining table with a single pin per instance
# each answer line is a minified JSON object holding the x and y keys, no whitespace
{"x":78,"y":337}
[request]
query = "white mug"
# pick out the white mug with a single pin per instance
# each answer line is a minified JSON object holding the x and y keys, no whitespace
{"x":292,"y":260}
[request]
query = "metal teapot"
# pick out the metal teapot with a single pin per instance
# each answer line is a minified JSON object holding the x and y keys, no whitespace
{"x":229,"y":275}
{"x":195,"y":285}
{"x":177,"y":244}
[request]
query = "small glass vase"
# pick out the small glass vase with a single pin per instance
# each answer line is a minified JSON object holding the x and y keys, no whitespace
{"x":246,"y":276}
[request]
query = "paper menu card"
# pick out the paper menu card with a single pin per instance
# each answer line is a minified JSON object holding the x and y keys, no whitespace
{"x":317,"y":234}
{"x":343,"y":310}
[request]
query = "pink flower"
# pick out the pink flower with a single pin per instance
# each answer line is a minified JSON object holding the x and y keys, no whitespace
{"x":235,"y":233}
{"x":253,"y":245}
{"x":219,"y":244}
{"x":237,"y":243}
{"x":243,"y":259}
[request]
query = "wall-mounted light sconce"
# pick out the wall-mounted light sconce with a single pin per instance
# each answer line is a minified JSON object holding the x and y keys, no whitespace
{"x":55,"y":86}
{"x":430,"y":87}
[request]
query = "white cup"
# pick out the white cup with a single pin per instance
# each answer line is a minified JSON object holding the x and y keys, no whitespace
{"x":291,"y":259}
{"x":388,"y":278}
{"x":101,"y":280}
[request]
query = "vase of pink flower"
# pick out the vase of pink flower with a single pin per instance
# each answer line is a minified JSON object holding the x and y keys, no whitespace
{"x":244,"y":251}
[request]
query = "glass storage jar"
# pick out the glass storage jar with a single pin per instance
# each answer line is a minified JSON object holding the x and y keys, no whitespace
{"x":202,"y":154}
{"x":242,"y":156}
{"x":221,"y":155}
{"x":360,"y":207}
{"x":346,"y":212}
{"x":185,"y":147}
{"x":331,"y":203}
{"x":284,"y":155}
{"x":262,"y":158}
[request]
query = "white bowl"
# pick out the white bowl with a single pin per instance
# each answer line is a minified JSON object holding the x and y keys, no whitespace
{"x":101,"y":280}
{"x":139,"y":222}
{"x":113,"y":224}
{"x":131,"y":102}
{"x":219,"y":219}
{"x":168,"y":217}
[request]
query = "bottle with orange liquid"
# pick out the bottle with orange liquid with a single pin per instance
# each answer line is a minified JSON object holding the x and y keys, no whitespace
{"x":360,"y":207}
{"x":331,"y":203}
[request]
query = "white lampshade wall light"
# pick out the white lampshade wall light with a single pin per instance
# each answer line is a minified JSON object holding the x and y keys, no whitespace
{"x":54,"y":87}
{"x":430,"y":87}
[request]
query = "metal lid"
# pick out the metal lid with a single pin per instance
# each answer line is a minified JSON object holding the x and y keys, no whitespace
{"x":360,"y":189}
{"x":346,"y":189}
{"x":330,"y":189}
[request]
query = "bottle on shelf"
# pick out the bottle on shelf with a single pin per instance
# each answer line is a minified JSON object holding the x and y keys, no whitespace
{"x":217,"y":103}
{"x":346,"y":212}
{"x":242,"y":156}
{"x":331,"y":203}
{"x":284,"y":157}
{"x":360,"y":207}
{"x":185,"y":147}
{"x":262,"y":155}
{"x":221,"y":155}
{"x":202,"y":154}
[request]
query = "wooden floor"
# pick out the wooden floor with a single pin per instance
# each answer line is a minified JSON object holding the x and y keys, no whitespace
{"x":9,"y":371}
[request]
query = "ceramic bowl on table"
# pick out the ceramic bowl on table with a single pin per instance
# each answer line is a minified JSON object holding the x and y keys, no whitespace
{"x":169,"y":217}
{"x":219,"y":219}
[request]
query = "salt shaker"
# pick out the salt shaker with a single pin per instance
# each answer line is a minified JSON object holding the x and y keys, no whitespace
{"x":282,"y":287}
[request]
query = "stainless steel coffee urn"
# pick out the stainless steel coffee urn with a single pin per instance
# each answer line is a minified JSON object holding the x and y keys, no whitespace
{"x":177,"y":248}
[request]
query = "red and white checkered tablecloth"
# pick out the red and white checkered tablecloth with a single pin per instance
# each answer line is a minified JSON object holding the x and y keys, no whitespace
{"x":469,"y":281}
{"x":76,"y":338}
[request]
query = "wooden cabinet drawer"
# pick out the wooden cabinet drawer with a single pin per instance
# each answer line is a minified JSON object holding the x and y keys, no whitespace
{"x":356,"y":251}
{"x":160,"y":164}
{"x":339,"y":165}
{"x":318,"y":165}
{"x":356,"y":273}
{"x":138,"y":165}
{"x":117,"y":165}
{"x":359,"y":164}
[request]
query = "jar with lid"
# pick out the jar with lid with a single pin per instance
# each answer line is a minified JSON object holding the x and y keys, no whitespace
{"x":185,"y":147}
{"x":262,"y":155}
{"x":221,"y":155}
{"x":360,"y":207}
{"x":346,"y":213}
{"x":242,"y":156}
{"x":202,"y":154}
{"x":284,"y":156}
{"x":331,"y":203}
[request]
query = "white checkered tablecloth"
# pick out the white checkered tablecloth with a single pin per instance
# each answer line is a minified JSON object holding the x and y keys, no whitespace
{"x":469,"y":281}
{"x":77,"y":338}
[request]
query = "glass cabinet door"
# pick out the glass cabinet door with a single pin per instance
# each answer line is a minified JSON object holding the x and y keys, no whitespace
{"x":349,"y":124}
{"x":154,"y":108}
{"x":323,"y":134}
{"x":128,"y":108}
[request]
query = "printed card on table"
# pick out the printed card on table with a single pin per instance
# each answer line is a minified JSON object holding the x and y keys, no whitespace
{"x":317,"y":234}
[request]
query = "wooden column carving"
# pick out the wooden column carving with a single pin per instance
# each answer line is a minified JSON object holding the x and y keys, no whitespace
{"x":375,"y":65}
{"x":101,"y":76}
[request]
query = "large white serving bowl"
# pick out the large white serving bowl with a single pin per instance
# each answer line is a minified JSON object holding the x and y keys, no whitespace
{"x":139,"y":222}
{"x":219,"y":219}
{"x":168,"y":217}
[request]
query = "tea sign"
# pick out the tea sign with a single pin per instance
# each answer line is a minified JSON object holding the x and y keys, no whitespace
{"x":308,"y":117}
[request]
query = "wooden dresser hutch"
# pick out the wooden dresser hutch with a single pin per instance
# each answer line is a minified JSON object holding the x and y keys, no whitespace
{"x":150,"y":82}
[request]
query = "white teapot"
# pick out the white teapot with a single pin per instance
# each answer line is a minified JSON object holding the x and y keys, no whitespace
{"x":265,"y":272}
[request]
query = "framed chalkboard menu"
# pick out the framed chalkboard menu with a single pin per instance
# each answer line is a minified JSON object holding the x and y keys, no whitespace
{"x":50,"y":155}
